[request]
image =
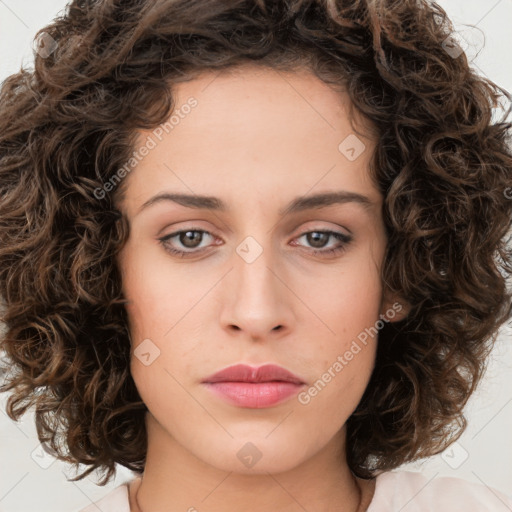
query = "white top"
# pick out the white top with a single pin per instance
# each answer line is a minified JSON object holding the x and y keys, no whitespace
{"x":395,"y":491}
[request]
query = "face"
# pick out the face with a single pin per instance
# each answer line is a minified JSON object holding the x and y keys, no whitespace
{"x":258,"y":273}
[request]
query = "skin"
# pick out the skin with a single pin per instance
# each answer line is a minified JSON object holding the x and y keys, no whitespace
{"x":257,"y":139}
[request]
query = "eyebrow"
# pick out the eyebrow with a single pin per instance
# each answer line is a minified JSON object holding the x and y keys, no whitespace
{"x":296,"y":205}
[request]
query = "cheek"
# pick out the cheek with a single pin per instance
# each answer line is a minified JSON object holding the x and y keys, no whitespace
{"x":349,"y":302}
{"x":157,"y":299}
{"x":157,"y":308}
{"x":344,"y":354}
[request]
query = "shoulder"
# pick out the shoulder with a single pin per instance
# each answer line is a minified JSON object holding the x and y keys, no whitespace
{"x":395,"y":490}
{"x":115,"y":501}
{"x":414,"y":492}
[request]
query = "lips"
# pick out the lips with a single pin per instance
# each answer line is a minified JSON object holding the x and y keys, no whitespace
{"x":244,"y":373}
{"x":257,"y":388}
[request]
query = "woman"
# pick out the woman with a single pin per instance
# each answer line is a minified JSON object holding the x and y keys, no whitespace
{"x":253,"y":251}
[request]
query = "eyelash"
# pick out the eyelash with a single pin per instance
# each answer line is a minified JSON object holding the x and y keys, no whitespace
{"x":343,"y":238}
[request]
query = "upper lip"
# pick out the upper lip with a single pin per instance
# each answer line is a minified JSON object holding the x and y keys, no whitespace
{"x":245,"y":373}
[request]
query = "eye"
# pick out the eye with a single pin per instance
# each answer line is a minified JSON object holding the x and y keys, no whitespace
{"x":188,"y":238}
{"x":192,"y":238}
{"x":319,"y":238}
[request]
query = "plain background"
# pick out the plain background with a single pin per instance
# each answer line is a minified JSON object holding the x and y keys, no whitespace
{"x":33,"y":482}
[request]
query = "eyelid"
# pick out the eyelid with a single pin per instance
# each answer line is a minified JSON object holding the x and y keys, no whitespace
{"x":304,"y":230}
{"x":343,"y":239}
{"x":308,"y":227}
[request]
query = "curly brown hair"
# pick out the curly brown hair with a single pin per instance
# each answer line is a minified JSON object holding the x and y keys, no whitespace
{"x":442,"y":163}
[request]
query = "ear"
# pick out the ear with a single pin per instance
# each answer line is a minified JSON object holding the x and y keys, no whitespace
{"x":394,"y":308}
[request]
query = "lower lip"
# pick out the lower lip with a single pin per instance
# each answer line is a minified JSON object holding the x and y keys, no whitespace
{"x":256,"y":395}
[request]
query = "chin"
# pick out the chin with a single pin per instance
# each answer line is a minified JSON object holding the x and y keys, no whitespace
{"x":258,"y":454}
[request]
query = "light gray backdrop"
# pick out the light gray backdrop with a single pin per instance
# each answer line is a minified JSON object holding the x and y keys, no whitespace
{"x":32,"y":482}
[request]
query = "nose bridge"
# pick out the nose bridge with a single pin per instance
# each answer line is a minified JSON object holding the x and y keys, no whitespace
{"x":255,"y":279}
{"x":258,"y":301}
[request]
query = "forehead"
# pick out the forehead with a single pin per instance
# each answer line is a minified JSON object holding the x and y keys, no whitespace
{"x":256,"y":126}
{"x":257,"y":95}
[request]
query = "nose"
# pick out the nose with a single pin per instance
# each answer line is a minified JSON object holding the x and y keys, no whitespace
{"x":258,"y":301}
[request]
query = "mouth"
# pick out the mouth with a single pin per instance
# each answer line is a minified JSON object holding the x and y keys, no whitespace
{"x":261,"y":387}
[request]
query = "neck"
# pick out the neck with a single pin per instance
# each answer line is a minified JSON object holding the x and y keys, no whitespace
{"x":176,"y":480}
